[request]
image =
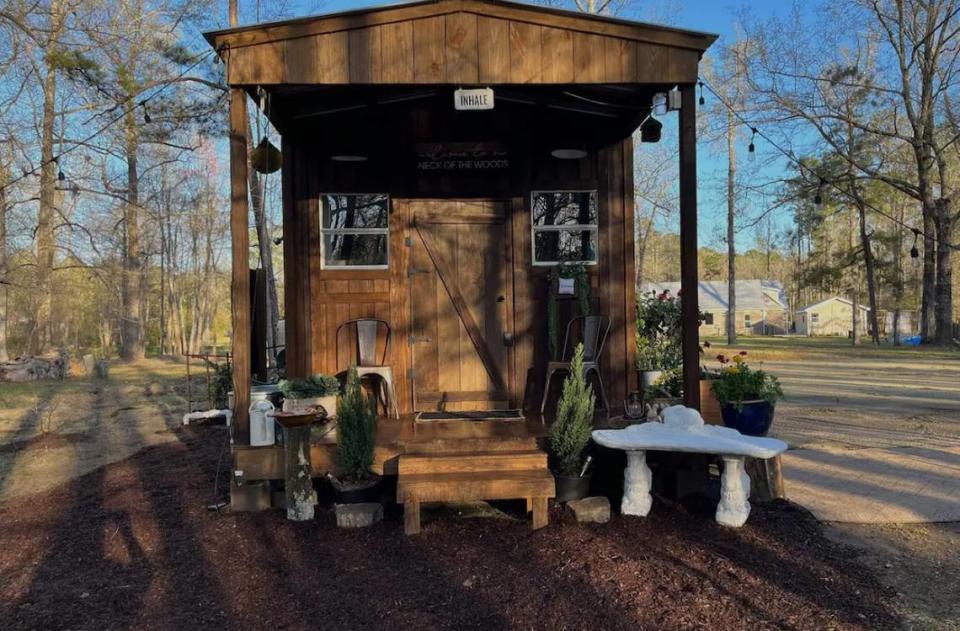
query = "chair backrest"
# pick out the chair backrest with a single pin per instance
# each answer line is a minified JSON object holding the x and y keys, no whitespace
{"x":593,"y":330}
{"x":367,"y":331}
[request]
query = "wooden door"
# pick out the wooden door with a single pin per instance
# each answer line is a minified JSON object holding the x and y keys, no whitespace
{"x":461,"y":304}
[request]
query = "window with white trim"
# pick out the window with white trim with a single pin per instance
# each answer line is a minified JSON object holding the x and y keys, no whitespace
{"x":355,"y":231}
{"x":814,"y":318}
{"x":564,"y":227}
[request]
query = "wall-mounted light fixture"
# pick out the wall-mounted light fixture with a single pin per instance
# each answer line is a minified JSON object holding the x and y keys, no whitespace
{"x":568,"y":154}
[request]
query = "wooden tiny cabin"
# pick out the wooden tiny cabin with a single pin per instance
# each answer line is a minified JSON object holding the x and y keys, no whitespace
{"x":398,"y":204}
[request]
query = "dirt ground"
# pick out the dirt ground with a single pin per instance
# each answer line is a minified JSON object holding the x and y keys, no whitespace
{"x":134,"y":545}
{"x":103,"y":497}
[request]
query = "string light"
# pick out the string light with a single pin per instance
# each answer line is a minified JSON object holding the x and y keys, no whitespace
{"x":752,"y":149}
{"x":818,"y":198}
{"x":703,"y":101}
{"x":915,"y":251}
{"x":146,"y":113}
{"x":60,"y":175}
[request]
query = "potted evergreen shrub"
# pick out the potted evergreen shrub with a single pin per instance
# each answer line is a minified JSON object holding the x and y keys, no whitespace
{"x":747,"y":396}
{"x":356,"y":424}
{"x":570,"y":433}
{"x":315,"y":391}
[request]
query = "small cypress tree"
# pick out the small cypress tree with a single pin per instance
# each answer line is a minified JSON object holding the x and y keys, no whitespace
{"x":356,"y":425}
{"x":570,"y":433}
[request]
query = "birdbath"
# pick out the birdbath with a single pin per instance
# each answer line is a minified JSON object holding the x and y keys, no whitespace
{"x":301,"y":498}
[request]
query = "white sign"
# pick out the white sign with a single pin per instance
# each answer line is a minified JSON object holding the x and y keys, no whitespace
{"x":565,"y":286}
{"x":473,"y":99}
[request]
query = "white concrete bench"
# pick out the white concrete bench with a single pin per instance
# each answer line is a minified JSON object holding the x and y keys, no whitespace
{"x":683,"y":430}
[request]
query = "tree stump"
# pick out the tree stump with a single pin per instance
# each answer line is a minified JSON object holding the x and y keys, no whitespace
{"x":300,"y":495}
{"x":766,"y":479}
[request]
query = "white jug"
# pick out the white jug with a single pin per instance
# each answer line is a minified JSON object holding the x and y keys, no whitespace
{"x":262,"y":424}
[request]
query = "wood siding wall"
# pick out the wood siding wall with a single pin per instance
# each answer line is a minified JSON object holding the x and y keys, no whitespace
{"x":318,"y":300}
{"x":460,"y":47}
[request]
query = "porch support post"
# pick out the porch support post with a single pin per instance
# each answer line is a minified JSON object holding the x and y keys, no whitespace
{"x":688,"y":245}
{"x":240,"y":250}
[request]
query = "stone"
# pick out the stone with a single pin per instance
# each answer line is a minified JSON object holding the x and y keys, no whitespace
{"x":591,"y":510}
{"x":358,"y":515}
{"x":89,"y":364}
{"x":683,"y":431}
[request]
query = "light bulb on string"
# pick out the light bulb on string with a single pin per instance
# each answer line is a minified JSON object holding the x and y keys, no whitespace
{"x":146,"y":113}
{"x":703,"y":101}
{"x":915,"y":251}
{"x":752,"y":149}
{"x":818,"y":198}
{"x":60,"y":174}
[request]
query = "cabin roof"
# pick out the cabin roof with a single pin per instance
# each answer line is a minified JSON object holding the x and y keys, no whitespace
{"x":755,"y":294}
{"x":846,"y":301}
{"x":599,"y":24}
{"x":461,"y":43}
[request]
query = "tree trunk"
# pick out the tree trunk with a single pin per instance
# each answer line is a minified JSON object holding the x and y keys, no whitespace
{"x":944,"y":285}
{"x":258,"y":201}
{"x":4,"y":179}
{"x":131,"y":293}
{"x":40,"y":333}
{"x":871,"y":277}
{"x":731,"y":241}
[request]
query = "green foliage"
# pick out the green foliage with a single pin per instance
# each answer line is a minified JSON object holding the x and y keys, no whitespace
{"x":356,"y":426}
{"x":659,"y":333}
{"x":737,"y":382}
{"x":570,"y":433}
{"x":568,"y":270}
{"x":318,"y":385}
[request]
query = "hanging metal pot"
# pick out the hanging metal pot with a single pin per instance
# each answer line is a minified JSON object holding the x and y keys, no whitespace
{"x":266,"y":157}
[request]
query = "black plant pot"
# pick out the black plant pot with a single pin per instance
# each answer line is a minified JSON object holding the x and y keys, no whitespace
{"x":571,"y":487}
{"x":357,"y":494}
{"x":753,"y":419}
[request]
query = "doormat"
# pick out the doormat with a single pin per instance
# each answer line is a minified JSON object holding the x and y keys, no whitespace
{"x":474,"y":415}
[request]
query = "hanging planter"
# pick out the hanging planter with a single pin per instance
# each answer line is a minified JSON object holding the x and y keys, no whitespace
{"x":266,"y":158}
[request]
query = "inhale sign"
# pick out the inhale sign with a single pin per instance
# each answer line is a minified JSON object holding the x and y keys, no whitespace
{"x":473,"y":99}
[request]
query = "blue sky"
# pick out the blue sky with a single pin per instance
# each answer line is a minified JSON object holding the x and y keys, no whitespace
{"x":700,"y":15}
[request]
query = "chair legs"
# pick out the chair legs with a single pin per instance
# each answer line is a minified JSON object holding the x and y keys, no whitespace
{"x":546,"y":391}
{"x":586,"y":374}
{"x":603,"y":394}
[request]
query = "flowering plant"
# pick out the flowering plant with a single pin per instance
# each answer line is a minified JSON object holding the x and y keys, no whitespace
{"x":658,"y":331}
{"x":737,"y":383}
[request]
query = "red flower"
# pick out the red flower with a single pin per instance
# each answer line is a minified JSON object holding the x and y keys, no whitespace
{"x":722,"y":359}
{"x":679,"y":292}
{"x":706,"y":344}
{"x":743,"y":353}
{"x":662,"y":296}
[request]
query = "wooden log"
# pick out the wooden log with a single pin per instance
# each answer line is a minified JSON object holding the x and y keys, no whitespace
{"x":300,"y":496}
{"x":766,"y":479}
{"x":689,"y":316}
{"x":240,"y":251}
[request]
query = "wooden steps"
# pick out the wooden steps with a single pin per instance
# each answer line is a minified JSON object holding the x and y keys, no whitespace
{"x":474,"y":475}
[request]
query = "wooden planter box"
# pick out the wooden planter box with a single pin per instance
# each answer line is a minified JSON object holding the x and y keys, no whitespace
{"x":709,"y":406}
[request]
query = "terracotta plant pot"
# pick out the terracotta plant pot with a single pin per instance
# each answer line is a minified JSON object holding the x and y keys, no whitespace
{"x":709,"y":406}
{"x":753,"y":419}
{"x":295,"y":419}
{"x":571,"y":487}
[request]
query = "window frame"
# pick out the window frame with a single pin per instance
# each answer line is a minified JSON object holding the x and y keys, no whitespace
{"x":814,"y":318}
{"x":593,"y":228}
{"x":356,"y":231}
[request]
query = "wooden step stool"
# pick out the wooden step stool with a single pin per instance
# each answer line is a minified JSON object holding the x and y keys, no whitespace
{"x":489,"y":475}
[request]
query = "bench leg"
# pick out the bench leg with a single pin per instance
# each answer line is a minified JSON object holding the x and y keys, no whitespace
{"x":540,"y":515}
{"x":734,"y":507}
{"x":636,"y":485}
{"x":529,"y":504}
{"x":411,"y":517}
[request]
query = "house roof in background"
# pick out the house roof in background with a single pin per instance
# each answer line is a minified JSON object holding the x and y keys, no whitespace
{"x":830,"y":299}
{"x":750,"y":294}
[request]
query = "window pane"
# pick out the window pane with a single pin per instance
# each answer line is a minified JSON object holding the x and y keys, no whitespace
{"x":565,"y":208}
{"x":354,"y":211}
{"x":354,"y":249}
{"x":562,"y":246}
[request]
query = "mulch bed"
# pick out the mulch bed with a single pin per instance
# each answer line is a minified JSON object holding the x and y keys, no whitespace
{"x":134,"y":545}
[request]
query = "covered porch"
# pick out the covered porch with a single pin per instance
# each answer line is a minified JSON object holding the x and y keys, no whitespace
{"x":447,"y":222}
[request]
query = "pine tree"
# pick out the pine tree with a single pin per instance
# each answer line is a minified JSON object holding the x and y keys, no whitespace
{"x":356,"y":424}
{"x":570,"y":433}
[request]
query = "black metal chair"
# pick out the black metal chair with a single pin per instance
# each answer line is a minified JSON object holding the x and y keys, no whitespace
{"x":367,"y":331}
{"x":594,"y":329}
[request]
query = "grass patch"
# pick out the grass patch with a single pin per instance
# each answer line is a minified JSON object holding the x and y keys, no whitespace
{"x":773,"y":348}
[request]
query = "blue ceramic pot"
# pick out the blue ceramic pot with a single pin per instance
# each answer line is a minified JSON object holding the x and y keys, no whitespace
{"x":753,"y":419}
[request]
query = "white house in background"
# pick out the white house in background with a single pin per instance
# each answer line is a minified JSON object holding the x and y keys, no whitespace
{"x":833,"y":316}
{"x":761,"y":305}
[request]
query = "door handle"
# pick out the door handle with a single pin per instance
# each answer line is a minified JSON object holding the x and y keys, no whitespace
{"x":507,"y":339}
